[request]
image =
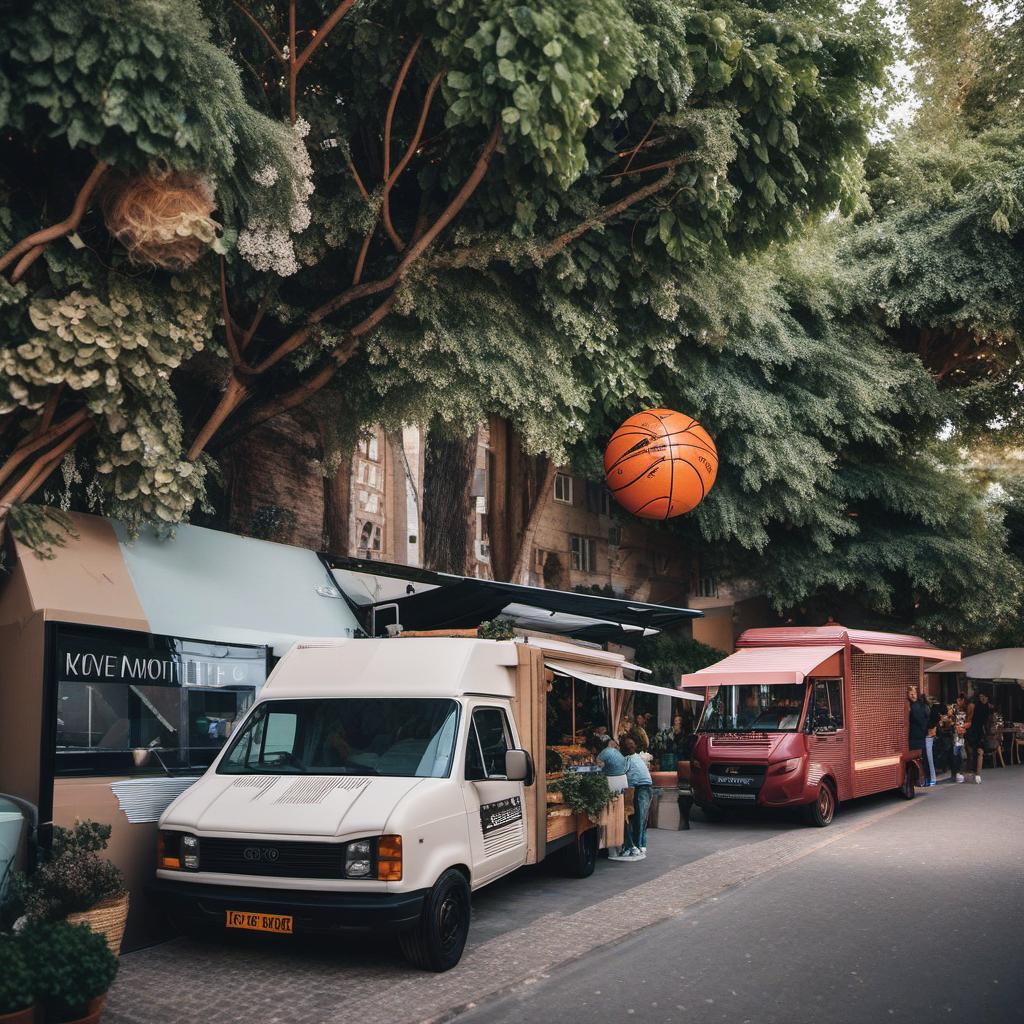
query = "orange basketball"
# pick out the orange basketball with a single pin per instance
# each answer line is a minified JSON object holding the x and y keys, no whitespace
{"x":660,"y":464}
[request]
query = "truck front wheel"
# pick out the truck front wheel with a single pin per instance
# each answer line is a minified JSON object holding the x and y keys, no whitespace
{"x":822,"y":811}
{"x":436,"y":942}
{"x":580,"y":859}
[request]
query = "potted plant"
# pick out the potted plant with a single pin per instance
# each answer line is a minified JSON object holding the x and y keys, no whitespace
{"x":585,"y":792}
{"x":77,"y":884}
{"x":17,"y":992}
{"x":72,"y":969}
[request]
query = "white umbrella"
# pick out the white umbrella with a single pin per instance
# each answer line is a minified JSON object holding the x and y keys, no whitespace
{"x":1005,"y":664}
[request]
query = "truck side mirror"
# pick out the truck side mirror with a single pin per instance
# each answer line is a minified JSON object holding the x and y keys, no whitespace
{"x":519,"y":766}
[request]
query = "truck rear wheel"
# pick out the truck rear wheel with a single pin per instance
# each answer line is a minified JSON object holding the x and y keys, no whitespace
{"x":437,"y":941}
{"x":580,"y":859}
{"x":823,"y":810}
{"x":711,"y":812}
{"x":909,"y":779}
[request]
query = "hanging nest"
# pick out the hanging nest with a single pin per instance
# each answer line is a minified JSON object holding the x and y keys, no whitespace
{"x":162,"y":219}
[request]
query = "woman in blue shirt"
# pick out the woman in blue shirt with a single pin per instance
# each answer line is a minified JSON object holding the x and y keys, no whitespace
{"x":615,"y":768}
{"x":640,"y":781}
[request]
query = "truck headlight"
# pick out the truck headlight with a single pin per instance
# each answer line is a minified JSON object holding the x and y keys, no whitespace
{"x":379,"y":858}
{"x":190,"y":853}
{"x":787,"y":766}
{"x":168,"y":851}
{"x":359,"y":858}
{"x":177,"y":851}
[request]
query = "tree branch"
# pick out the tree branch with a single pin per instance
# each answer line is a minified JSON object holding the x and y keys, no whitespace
{"x":324,"y":31}
{"x":44,"y":237}
{"x":262,"y":31}
{"x":32,"y":445}
{"x":343,"y":352}
{"x":404,"y":162}
{"x":358,"y":180}
{"x":43,"y":467}
{"x":471,"y":254}
{"x":393,"y":102}
{"x":229,"y":331}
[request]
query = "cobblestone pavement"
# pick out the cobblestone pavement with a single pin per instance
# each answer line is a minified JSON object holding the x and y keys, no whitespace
{"x":524,"y":927}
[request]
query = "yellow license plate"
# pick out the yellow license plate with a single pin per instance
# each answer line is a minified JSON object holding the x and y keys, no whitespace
{"x":282,"y":924}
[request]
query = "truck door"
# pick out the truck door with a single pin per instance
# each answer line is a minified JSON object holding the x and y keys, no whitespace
{"x":494,"y":805}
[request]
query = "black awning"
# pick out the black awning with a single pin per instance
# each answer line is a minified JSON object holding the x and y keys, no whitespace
{"x":463,"y":602}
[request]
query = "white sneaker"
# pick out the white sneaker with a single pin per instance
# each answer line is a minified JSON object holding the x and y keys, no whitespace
{"x":643,"y":850}
{"x":977,"y":778}
{"x":959,"y":778}
{"x":637,"y":854}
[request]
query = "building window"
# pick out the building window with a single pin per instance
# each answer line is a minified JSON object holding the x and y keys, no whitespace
{"x":373,"y":449}
{"x":598,"y":499}
{"x":615,"y":536}
{"x":583,"y":553}
{"x":563,"y":488}
{"x":707,"y":585}
{"x":369,"y":539}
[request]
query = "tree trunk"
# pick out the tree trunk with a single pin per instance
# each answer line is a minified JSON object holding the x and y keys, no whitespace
{"x":518,"y":488}
{"x":338,"y":508}
{"x":447,"y":482}
{"x":539,"y":500}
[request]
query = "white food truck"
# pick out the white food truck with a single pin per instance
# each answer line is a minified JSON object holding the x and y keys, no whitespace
{"x":375,"y":783}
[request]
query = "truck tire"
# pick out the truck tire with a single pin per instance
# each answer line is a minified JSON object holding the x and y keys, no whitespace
{"x":437,"y":941}
{"x":909,"y":778}
{"x":711,"y":812}
{"x":580,"y":859}
{"x":820,"y":813}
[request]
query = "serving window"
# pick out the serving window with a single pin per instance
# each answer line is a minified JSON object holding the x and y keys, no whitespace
{"x":133,"y":703}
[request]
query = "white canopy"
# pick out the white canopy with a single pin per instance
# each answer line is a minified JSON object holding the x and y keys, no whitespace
{"x":1007,"y":663}
{"x":611,"y":683}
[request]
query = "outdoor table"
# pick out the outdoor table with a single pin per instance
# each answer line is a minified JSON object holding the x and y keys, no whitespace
{"x":1010,"y":734}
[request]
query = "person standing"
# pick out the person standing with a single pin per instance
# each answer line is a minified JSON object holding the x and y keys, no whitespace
{"x":978,"y":714}
{"x":918,"y":731}
{"x":934,"y":717}
{"x":643,"y":790}
{"x":955,"y":721}
{"x":613,"y":764}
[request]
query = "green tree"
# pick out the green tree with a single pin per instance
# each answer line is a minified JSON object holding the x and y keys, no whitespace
{"x":128,"y":102}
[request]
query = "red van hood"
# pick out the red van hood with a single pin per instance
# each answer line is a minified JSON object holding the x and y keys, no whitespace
{"x":754,"y":746}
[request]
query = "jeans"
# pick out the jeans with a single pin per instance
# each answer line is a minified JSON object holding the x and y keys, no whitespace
{"x":641,"y":805}
{"x":956,"y":757}
{"x":929,"y":765}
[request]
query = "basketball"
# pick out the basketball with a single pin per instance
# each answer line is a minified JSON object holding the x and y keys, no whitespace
{"x":660,"y":464}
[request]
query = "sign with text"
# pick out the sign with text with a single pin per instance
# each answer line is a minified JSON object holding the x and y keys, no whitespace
{"x":167,"y":662}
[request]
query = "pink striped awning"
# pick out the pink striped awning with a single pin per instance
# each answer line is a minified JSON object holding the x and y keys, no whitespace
{"x":763,"y":665}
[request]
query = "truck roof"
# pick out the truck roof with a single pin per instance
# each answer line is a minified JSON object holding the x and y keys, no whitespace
{"x":825,"y":636}
{"x":396,"y":667}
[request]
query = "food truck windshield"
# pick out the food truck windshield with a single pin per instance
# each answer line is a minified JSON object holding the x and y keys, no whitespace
{"x":755,"y":707}
{"x":399,"y":737}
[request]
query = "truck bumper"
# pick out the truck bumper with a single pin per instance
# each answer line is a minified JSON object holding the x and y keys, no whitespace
{"x":199,"y":904}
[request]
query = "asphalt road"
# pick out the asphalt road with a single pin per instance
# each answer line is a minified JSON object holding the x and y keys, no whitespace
{"x":915,"y":916}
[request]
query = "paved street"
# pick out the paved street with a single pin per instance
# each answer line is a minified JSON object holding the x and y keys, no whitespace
{"x":752,"y":920}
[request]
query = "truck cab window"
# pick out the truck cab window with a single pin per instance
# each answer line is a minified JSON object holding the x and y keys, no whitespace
{"x":828,"y":704}
{"x":487,"y":744}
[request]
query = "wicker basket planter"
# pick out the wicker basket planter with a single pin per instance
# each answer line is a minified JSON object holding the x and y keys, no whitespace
{"x":26,"y":1016}
{"x":107,"y":918}
{"x":93,"y":1011}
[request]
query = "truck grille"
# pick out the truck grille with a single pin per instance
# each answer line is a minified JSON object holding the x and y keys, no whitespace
{"x":285,"y":859}
{"x":736,"y":782}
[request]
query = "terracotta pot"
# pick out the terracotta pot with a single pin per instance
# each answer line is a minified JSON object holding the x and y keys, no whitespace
{"x":107,"y":918}
{"x":26,"y":1016}
{"x":93,"y":1012}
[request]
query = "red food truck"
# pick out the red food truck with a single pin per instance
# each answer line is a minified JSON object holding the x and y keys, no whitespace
{"x":808,"y":717}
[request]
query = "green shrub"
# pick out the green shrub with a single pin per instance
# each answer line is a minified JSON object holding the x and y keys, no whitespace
{"x":585,"y":792}
{"x":16,"y":985}
{"x":70,"y":965}
{"x":75,"y":877}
